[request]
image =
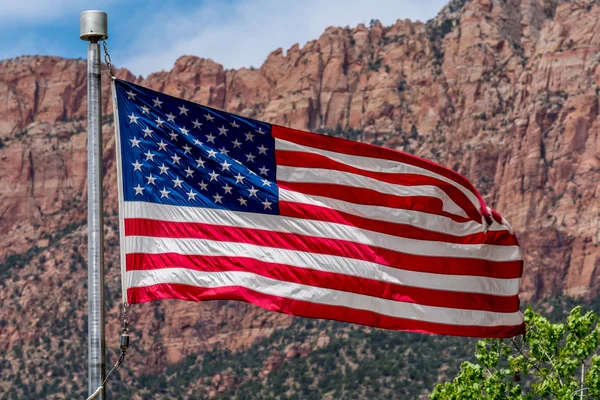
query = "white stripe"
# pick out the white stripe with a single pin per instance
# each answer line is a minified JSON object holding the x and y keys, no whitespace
{"x":376,"y":165}
{"x":330,"y":297}
{"x":325,"y":263}
{"x":319,"y":229}
{"x":318,"y":175}
{"x":431,"y":222}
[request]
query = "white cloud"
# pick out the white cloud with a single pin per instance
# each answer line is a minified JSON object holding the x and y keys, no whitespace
{"x":243,"y":33}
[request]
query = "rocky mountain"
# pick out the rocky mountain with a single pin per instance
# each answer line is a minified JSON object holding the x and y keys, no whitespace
{"x":506,"y":92}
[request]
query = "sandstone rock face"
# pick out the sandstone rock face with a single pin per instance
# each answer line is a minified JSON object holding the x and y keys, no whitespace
{"x":506,"y":93}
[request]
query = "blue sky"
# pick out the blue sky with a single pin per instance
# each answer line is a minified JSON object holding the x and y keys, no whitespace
{"x":149,"y":35}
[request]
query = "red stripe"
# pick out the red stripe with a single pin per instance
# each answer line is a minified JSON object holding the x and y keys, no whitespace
{"x":336,"y":247}
{"x":349,"y":147}
{"x":328,"y":280}
{"x":319,"y":213}
{"x":313,"y":310}
{"x":370,"y":197}
{"x":309,"y":160}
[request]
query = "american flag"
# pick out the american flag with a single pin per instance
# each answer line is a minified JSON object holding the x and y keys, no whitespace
{"x":218,"y":206}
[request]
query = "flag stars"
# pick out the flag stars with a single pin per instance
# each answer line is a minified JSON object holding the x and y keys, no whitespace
{"x":189,"y":172}
{"x":227,"y":189}
{"x":223,"y":150}
{"x":203,"y":186}
{"x":177,"y":182}
{"x":149,"y":155}
{"x":183,"y":110}
{"x":162,"y":146}
{"x":249,"y":136}
{"x":175,"y":158}
{"x":147,"y":132}
{"x":239,"y":178}
{"x":145,"y":110}
{"x":218,"y":198}
{"x":131,"y":95}
{"x":252,"y":192}
{"x":133,"y":118}
{"x":191,"y":195}
{"x":212,"y":153}
{"x":137,"y":166}
{"x":243,"y":202}
{"x":187,"y":149}
{"x":157,"y":102}
{"x":223,"y":131}
{"x":197,"y":124}
{"x":138,"y":189}
{"x":250,"y":157}
{"x":164,"y":193}
{"x":213,"y":176}
{"x":267,"y":204}
{"x":262,"y":149}
{"x":200,"y":163}
{"x":184,"y":131}
{"x":159,"y":122}
{"x":210,"y":138}
{"x":150,"y":179}
{"x":209,"y":117}
{"x":266,"y":183}
{"x":163,"y":169}
{"x":225,"y":165}
{"x":173,"y":136}
{"x":197,"y":142}
{"x":263,"y":170}
{"x":135,"y":142}
{"x":236,"y":144}
{"x":170,"y":117}
{"x":259,"y":130}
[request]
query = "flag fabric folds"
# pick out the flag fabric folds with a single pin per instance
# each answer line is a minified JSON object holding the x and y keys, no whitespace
{"x":218,"y":206}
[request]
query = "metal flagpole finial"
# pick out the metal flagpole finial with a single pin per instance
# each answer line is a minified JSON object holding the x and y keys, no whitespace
{"x":93,"y":26}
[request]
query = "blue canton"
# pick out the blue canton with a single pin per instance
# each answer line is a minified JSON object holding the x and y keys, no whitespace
{"x":180,"y":153}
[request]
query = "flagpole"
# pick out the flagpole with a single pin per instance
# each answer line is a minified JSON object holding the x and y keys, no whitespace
{"x":93,"y":27}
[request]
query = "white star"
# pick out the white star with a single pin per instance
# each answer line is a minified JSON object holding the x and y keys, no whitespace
{"x":211,"y":153}
{"x":209,"y":117}
{"x":263,"y":170}
{"x":266,"y":183}
{"x":173,"y":136}
{"x":225,"y":165}
{"x":200,"y":163}
{"x":164,"y":193}
{"x":189,"y":172}
{"x":177,"y":182}
{"x":242,"y":201}
{"x":145,"y":110}
{"x":203,"y":186}
{"x":234,"y":124}
{"x":159,"y":122}
{"x":210,"y":138}
{"x":213,"y":176}
{"x":183,"y":110}
{"x":170,"y":117}
{"x":191,"y":195}
{"x":197,"y":124}
{"x":135,"y":142}
{"x":149,"y":156}
{"x":239,"y":178}
{"x":252,"y":192}
{"x":262,"y":149}
{"x":133,"y":119}
{"x":197,"y":142}
{"x":251,"y":172}
{"x":249,"y":136}
{"x":227,"y":189}
{"x":267,"y":204}
{"x":250,"y":157}
{"x":137,"y":166}
{"x":163,"y":169}
{"x":147,"y":132}
{"x":259,"y":130}
{"x":184,"y":131}
{"x":157,"y":102}
{"x":151,"y":179}
{"x":187,"y":149}
{"x":223,"y":131}
{"x":131,"y":95}
{"x":175,"y":158}
{"x":138,"y":189}
{"x":223,"y":150}
{"x":162,"y":145}
{"x":217,"y":198}
{"x":236,"y":144}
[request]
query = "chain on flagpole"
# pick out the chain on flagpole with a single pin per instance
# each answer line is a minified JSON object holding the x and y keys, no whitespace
{"x":107,"y":60}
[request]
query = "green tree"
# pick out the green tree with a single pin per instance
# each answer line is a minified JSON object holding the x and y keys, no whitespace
{"x":555,"y":361}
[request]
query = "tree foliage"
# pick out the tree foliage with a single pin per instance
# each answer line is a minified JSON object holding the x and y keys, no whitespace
{"x":555,"y":361}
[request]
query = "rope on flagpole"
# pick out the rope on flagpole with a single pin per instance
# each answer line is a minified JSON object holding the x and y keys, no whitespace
{"x":107,"y":60}
{"x":124,"y":345}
